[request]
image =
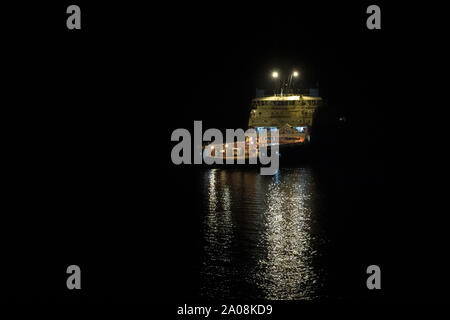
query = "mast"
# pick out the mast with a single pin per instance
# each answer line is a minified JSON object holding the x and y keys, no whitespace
{"x":286,"y":86}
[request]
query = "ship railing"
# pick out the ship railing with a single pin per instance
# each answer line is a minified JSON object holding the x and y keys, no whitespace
{"x":305,"y":92}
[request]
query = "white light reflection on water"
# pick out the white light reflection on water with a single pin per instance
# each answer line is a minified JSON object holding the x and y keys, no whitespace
{"x":218,"y":236}
{"x":287,"y":271}
{"x":261,"y":236}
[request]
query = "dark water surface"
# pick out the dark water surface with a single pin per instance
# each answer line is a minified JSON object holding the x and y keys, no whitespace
{"x":262,"y":235}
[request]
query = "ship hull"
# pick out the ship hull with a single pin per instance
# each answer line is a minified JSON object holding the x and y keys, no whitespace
{"x":288,"y":155}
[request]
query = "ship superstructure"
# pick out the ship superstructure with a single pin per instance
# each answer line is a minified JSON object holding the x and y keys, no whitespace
{"x":278,"y":111}
{"x":291,"y":114}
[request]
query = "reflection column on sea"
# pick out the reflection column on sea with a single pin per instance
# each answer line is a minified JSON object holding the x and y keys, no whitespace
{"x":288,"y":271}
{"x":260,"y":235}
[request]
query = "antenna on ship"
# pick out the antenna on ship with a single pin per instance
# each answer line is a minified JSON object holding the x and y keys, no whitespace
{"x":287,"y":86}
{"x":291,"y":80}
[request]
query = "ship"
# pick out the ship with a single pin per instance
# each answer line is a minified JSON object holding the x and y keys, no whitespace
{"x":289,"y":112}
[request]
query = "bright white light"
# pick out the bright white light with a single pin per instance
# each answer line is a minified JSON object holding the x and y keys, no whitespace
{"x":295,"y":74}
{"x":212,"y":147}
{"x":226,"y":145}
{"x":274,"y":74}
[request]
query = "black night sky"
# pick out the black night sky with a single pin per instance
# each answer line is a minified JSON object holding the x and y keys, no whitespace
{"x":89,"y":172}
